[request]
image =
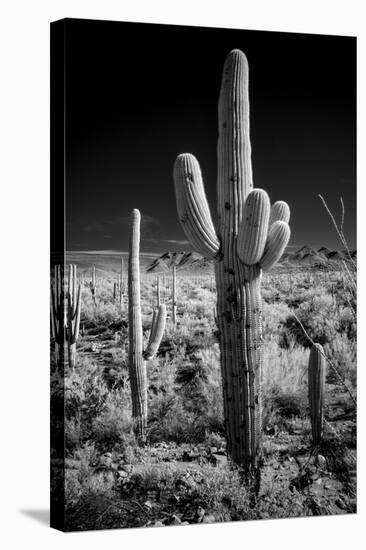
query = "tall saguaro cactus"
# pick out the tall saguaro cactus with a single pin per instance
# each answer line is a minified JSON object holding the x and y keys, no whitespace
{"x":65,"y":315}
{"x":250,"y":237}
{"x":316,"y":386}
{"x":137,"y":355}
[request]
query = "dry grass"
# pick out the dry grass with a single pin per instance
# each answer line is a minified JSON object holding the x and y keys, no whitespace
{"x":185,"y":395}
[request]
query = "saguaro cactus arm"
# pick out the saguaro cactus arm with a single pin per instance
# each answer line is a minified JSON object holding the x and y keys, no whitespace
{"x":253,"y":228}
{"x":280,"y":211}
{"x":277,"y":240}
{"x":193,"y":210}
{"x":156,"y":333}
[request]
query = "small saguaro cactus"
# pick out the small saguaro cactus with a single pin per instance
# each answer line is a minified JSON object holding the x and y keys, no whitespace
{"x":174,"y":295}
{"x":316,"y":386}
{"x":137,"y":355}
{"x":93,"y":284}
{"x":250,"y":237}
{"x":65,"y":315}
{"x":123,"y":281}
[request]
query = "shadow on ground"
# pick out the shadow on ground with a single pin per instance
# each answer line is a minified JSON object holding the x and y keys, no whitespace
{"x":42,"y":516}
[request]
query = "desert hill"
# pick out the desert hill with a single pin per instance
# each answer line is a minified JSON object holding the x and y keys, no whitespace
{"x":180,"y":260}
{"x":108,"y":263}
{"x":304,"y":256}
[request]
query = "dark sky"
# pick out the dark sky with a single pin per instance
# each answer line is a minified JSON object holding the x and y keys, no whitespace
{"x":140,"y":94}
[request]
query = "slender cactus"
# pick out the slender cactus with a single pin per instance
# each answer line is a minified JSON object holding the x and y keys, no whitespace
{"x":65,"y":315}
{"x":93,"y":285}
{"x":174,"y":296}
{"x":137,"y":355}
{"x":316,"y":386}
{"x":123,"y":282}
{"x":249,"y":237}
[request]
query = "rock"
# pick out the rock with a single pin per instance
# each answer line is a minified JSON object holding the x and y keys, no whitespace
{"x":318,"y":481}
{"x":122,"y":474}
{"x":200,"y":512}
{"x":158,"y":524}
{"x":127,"y":468}
{"x":148,"y":504}
{"x":301,"y":460}
{"x":210,"y":518}
{"x":315,"y":489}
{"x":104,"y":462}
{"x":175,"y":520}
{"x":321,"y":461}
{"x":340,"y":503}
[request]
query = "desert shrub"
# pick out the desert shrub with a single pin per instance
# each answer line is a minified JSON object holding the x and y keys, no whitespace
{"x":222,"y":493}
{"x":347,"y":323}
{"x":343,"y":353}
{"x":318,"y":319}
{"x":284,"y":383}
{"x":87,"y":491}
{"x":113,"y":428}
{"x":78,"y":472}
{"x":85,"y":394}
{"x":172,"y":419}
{"x":73,"y":434}
{"x":169,"y":421}
{"x":93,"y":411}
{"x":115,"y":374}
{"x":273,"y":317}
{"x":189,"y":338}
{"x":219,"y":491}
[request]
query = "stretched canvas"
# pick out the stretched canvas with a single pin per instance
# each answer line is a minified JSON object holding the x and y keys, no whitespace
{"x":203,"y":275}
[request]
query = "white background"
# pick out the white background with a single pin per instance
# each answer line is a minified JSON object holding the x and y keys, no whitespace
{"x":24,"y":285}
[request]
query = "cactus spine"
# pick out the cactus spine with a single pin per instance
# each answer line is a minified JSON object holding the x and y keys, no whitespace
{"x":65,"y":315}
{"x":137,"y":355}
{"x":316,"y":386}
{"x":249,"y":237}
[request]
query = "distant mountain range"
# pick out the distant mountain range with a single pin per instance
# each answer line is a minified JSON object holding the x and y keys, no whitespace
{"x":311,"y":256}
{"x":180,"y":259}
{"x":306,"y":255}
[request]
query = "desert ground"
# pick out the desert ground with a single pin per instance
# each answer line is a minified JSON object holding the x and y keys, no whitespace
{"x":182,"y":475}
